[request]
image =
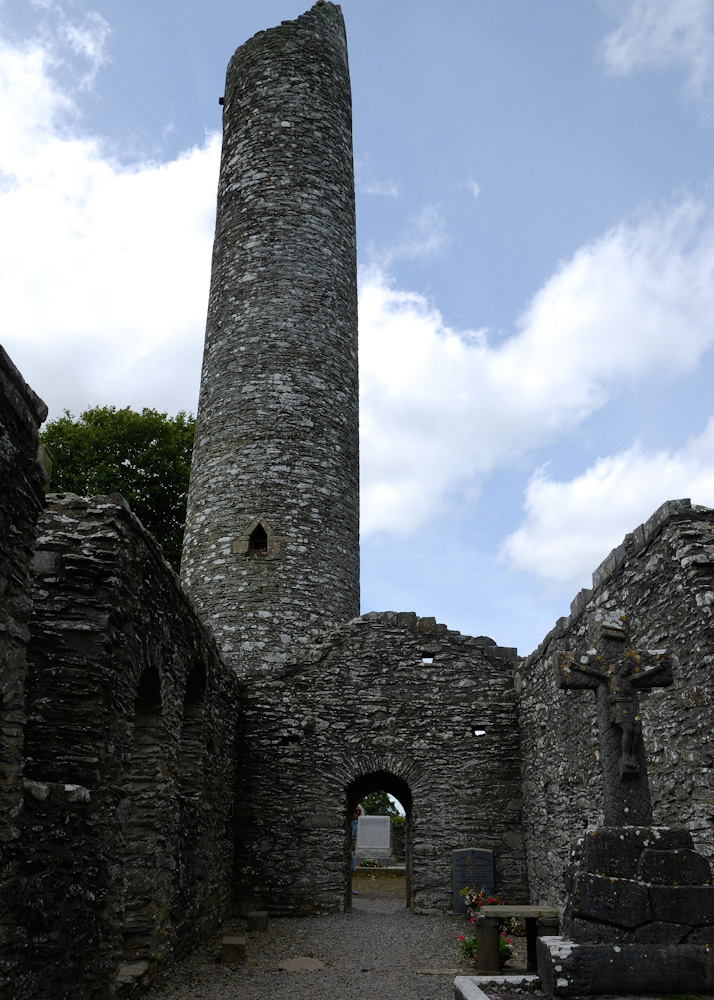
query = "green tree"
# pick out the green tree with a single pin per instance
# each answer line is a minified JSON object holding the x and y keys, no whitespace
{"x":144,"y":456}
{"x":379,"y":804}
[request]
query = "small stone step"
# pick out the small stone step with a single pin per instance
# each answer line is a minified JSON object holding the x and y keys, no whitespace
{"x":258,"y":920}
{"x":233,"y":949}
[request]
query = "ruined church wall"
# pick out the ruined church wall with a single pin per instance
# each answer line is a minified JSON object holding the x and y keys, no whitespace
{"x":361,"y":710}
{"x":21,"y":500}
{"x":662,"y":579}
{"x":126,"y":842}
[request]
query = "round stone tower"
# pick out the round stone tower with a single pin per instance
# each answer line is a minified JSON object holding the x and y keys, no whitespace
{"x":271,"y":552}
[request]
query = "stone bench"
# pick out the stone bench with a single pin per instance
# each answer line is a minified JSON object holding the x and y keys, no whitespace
{"x":540,"y":921}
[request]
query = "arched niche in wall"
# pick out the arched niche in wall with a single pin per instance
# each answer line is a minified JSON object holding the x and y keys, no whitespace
{"x":193,"y":738}
{"x":144,"y":827}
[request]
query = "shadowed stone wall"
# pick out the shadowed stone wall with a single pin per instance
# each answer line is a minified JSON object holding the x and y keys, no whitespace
{"x":271,"y":550}
{"x":662,"y":579}
{"x":21,"y":499}
{"x":360,"y":710}
{"x":126,"y":843}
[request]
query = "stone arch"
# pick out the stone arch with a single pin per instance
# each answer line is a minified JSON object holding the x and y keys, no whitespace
{"x":377,"y":781}
{"x":258,"y":540}
{"x":144,"y":827}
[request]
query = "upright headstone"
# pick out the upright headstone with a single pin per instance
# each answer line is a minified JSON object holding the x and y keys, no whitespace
{"x":373,"y":838}
{"x":471,"y":867}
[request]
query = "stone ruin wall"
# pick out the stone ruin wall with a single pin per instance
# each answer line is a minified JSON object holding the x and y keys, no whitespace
{"x":662,"y":579}
{"x":361,"y":710}
{"x":277,"y":442}
{"x":126,"y":839}
{"x":21,"y":500}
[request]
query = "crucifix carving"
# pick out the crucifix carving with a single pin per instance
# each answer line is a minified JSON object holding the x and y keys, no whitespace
{"x":616,"y":672}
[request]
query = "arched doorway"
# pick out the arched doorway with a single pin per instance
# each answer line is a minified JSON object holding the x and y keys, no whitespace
{"x":356,"y":792}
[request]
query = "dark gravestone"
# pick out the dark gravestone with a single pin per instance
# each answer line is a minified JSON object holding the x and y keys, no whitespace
{"x":471,"y":867}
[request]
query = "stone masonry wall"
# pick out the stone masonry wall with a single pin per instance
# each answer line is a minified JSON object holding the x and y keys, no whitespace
{"x":662,"y":579}
{"x":21,"y":499}
{"x":126,"y":844}
{"x":271,"y":551}
{"x":388,"y":701}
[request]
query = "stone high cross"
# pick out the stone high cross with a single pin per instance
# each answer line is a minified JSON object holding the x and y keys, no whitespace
{"x":616,"y":672}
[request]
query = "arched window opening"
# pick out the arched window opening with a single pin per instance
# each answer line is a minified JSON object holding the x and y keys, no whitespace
{"x":258,"y":541}
{"x":190,"y":767}
{"x":141,"y":811}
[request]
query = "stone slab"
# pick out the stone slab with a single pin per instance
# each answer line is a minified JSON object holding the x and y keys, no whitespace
{"x":471,"y":866}
{"x":374,"y":837}
{"x":303,"y":963}
{"x":569,"y":969}
{"x":469,"y":987}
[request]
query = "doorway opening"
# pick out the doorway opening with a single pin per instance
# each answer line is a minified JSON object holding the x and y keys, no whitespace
{"x":378,"y":848}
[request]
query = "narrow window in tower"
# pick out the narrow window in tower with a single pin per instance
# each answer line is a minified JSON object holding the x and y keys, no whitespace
{"x":258,"y":544}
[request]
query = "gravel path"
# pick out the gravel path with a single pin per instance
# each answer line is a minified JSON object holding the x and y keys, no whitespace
{"x":378,"y":951}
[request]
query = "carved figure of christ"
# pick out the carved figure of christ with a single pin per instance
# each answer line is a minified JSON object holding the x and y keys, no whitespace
{"x":616,"y":672}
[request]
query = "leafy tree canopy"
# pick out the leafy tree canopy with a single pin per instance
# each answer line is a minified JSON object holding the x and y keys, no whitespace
{"x":379,"y":804}
{"x":144,"y":456}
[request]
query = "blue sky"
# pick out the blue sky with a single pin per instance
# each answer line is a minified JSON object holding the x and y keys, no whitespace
{"x":536,"y":248}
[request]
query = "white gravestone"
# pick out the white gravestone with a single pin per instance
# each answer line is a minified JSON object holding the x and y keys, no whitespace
{"x":374,"y":837}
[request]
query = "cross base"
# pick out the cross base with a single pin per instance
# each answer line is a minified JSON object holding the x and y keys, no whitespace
{"x":639,"y":916}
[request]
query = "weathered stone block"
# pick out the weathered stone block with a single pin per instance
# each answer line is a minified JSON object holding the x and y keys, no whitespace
{"x":233,"y":949}
{"x":608,"y":851}
{"x":673,"y":867}
{"x":660,"y":932}
{"x":258,"y":920}
{"x":614,"y":900}
{"x":569,"y":969}
{"x":683,"y":904}
{"x":594,"y":932}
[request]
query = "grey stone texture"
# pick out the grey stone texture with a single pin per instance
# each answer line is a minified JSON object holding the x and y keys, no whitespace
{"x":21,"y":499}
{"x":358,"y":711}
{"x":627,"y":884}
{"x":147,"y":783}
{"x":661,"y":579}
{"x":276,"y":445}
{"x":125,"y":835}
{"x":568,"y":969}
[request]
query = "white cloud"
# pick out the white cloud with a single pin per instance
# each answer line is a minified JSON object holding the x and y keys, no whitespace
{"x":474,"y":187}
{"x":425,"y":236}
{"x":368,"y":181}
{"x":441,"y":408}
{"x":89,"y":41}
{"x":103,"y":269}
{"x":570,"y":527}
{"x":656,"y":34}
